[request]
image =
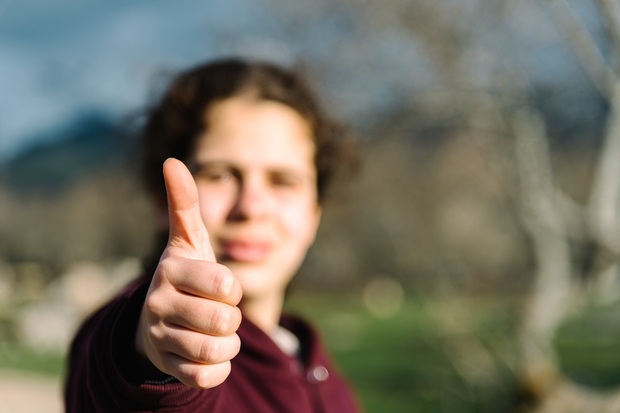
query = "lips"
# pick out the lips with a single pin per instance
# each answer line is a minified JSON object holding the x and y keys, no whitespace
{"x":244,"y":251}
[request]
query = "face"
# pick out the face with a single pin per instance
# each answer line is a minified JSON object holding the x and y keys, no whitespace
{"x":256,"y":178}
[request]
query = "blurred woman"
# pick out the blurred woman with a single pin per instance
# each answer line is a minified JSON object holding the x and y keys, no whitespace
{"x":248,"y":155}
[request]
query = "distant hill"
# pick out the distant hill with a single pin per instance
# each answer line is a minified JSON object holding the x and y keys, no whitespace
{"x":89,"y":143}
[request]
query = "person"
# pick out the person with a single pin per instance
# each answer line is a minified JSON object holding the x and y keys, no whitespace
{"x":248,"y":156}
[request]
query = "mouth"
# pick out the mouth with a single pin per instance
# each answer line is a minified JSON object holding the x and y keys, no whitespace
{"x":244,"y":251}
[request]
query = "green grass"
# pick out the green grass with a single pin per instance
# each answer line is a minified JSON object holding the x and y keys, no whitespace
{"x":588,"y":346}
{"x":407,"y":363}
{"x":18,"y":357}
{"x":402,"y":364}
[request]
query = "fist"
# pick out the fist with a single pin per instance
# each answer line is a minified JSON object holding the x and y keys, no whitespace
{"x":189,"y":320}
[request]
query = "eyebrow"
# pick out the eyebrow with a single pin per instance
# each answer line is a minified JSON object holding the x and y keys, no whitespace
{"x":197,"y":166}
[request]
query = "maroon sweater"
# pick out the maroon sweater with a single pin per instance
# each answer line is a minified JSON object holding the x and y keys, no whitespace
{"x":105,"y":373}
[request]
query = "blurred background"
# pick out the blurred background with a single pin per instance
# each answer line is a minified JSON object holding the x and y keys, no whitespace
{"x":472,"y":266}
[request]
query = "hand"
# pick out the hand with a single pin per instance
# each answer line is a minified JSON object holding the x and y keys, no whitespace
{"x":189,"y":318}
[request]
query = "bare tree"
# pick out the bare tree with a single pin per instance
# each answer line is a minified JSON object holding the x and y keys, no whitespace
{"x":501,"y":114}
{"x":554,"y":222}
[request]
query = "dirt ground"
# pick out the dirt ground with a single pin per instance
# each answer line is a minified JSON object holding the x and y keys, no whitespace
{"x":29,"y":393}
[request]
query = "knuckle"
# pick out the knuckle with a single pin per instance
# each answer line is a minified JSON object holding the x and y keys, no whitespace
{"x":155,"y":333}
{"x":209,"y":350}
{"x":223,"y":320}
{"x":210,"y":376}
{"x":201,"y":377}
{"x":218,"y":321}
{"x":155,"y":305}
{"x":151,"y":304}
{"x":165,"y":267}
{"x":225,"y":281}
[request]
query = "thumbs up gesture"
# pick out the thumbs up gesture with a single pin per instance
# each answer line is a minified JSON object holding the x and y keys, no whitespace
{"x":190,"y":316}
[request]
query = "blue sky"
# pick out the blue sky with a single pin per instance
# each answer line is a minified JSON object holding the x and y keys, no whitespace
{"x":58,"y":58}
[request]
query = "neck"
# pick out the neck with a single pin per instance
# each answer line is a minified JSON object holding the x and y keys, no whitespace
{"x":265,"y":312}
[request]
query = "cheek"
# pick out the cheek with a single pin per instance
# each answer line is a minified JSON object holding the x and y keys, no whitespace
{"x":213,"y":208}
{"x":301,"y":224}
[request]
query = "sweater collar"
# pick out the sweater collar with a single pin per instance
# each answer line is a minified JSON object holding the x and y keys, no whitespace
{"x":259,"y":345}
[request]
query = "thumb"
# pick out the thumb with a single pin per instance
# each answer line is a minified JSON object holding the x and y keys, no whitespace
{"x":187,"y":231}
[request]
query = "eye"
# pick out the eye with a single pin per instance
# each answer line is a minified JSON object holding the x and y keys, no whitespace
{"x":284,"y":180}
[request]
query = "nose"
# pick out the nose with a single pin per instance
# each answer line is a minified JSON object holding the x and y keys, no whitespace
{"x":252,"y":201}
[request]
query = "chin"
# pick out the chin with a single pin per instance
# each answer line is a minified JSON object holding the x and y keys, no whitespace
{"x":258,"y":282}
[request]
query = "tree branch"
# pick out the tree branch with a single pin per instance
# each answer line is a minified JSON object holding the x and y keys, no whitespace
{"x":583,"y":45}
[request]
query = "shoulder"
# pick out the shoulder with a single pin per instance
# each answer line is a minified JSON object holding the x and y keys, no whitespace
{"x":124,"y":306}
{"x":111,"y":326}
{"x":92,"y":358}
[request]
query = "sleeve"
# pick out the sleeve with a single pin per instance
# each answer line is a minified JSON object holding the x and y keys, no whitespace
{"x":106,"y":374}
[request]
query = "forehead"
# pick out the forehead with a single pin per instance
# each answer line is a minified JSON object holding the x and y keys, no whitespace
{"x":256,"y":133}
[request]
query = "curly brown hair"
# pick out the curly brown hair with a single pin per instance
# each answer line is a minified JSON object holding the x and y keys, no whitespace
{"x":176,"y":120}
